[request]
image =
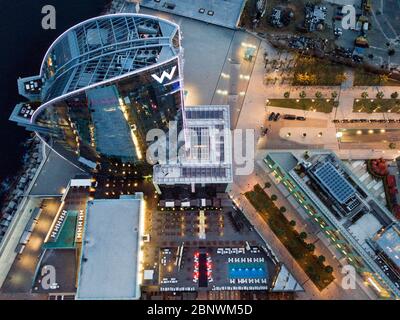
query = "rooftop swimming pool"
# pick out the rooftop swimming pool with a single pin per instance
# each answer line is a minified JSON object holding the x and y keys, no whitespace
{"x":247,"y":270}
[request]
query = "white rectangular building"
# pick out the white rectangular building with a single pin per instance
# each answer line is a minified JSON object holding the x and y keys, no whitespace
{"x":208,"y":150}
{"x":111,"y":249}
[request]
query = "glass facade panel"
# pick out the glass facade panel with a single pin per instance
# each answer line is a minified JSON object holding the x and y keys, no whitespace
{"x":111,"y":121}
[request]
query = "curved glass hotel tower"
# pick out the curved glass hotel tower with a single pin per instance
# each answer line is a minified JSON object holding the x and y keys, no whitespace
{"x":102,"y":85}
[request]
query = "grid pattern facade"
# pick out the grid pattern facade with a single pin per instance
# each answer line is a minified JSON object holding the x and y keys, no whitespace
{"x":104,"y":48}
{"x":334,"y":182}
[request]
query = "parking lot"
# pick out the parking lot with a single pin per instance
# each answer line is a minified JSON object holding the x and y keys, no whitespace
{"x":385,"y":29}
{"x":382,"y":34}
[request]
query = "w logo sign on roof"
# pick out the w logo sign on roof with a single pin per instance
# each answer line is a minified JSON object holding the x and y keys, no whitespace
{"x":164,"y":75}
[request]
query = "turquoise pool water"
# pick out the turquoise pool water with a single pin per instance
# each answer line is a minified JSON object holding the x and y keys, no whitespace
{"x":247,"y":270}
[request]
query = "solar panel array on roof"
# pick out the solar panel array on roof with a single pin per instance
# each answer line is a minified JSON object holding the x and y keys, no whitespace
{"x":203,"y":172}
{"x":336,"y":184}
{"x":200,"y":143}
{"x":204,"y":114}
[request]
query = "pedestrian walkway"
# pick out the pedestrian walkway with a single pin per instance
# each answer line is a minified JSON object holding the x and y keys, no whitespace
{"x":333,"y":291}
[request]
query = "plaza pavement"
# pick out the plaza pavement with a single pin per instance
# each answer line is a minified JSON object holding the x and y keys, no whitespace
{"x":254,"y":110}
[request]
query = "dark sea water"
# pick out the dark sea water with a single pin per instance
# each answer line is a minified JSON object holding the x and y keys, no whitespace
{"x":23,"y":45}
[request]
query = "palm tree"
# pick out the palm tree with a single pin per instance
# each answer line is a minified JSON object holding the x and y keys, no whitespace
{"x":394,"y":95}
{"x":334,"y":94}
{"x":321,"y":259}
{"x":364,"y":95}
{"x":318,"y":94}
{"x":302,"y":94}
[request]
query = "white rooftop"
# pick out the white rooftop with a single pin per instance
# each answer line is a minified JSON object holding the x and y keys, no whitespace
{"x":109,"y":267}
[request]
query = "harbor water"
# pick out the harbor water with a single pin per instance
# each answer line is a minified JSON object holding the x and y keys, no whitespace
{"x":24,"y":43}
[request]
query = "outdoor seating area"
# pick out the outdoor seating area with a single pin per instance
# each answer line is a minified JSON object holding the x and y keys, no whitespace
{"x":242,"y":268}
{"x":230,"y":251}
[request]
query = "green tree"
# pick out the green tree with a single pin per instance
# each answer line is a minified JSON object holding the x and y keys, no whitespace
{"x":321,"y":259}
{"x":267,"y":185}
{"x":303,"y":235}
{"x":318,"y":94}
{"x":395,"y":95}
{"x":364,"y":95}
{"x":334,"y":94}
{"x":302,"y":94}
{"x":282,"y":209}
{"x":310,"y":270}
{"x":274,"y":197}
{"x":328,"y":269}
{"x":287,"y":94}
{"x":292,"y":223}
{"x":380,"y":95}
{"x":310,"y":247}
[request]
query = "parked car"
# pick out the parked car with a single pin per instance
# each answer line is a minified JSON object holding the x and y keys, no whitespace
{"x":277,"y":117}
{"x":271,"y":116}
{"x":289,"y":117}
{"x":301,"y":118}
